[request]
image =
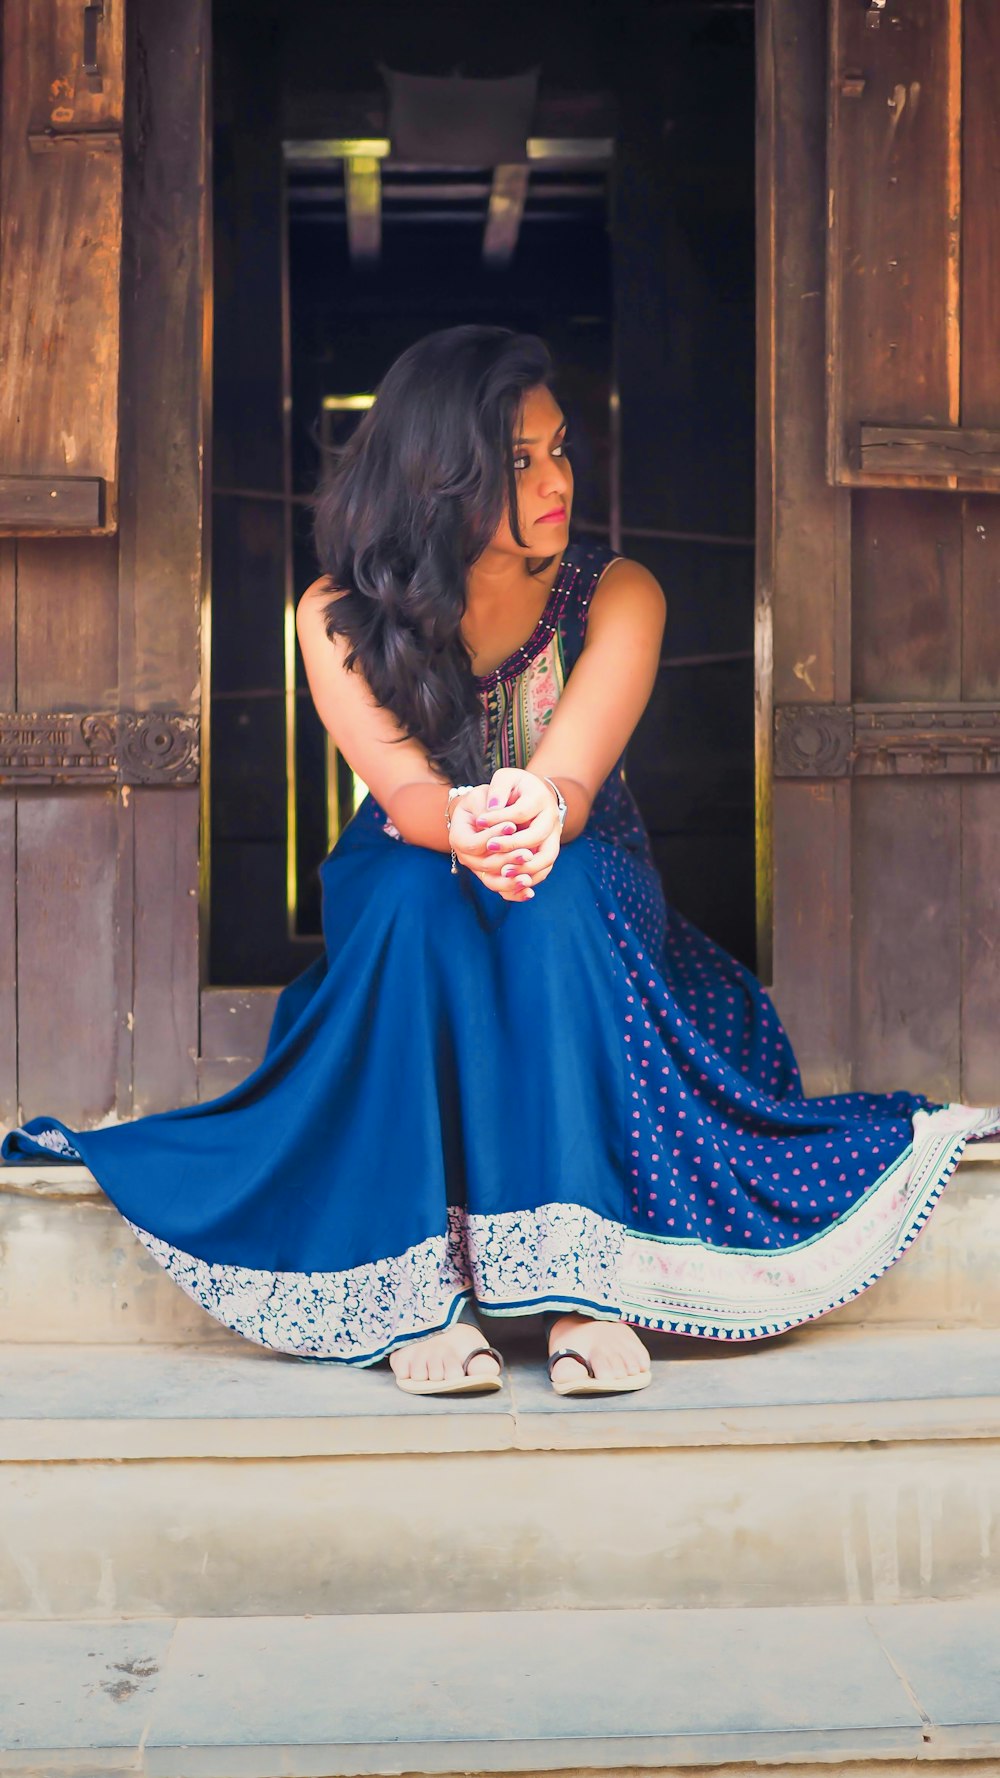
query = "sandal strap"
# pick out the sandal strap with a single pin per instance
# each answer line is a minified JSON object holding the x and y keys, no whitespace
{"x":568,"y":1352}
{"x":490,"y":1351}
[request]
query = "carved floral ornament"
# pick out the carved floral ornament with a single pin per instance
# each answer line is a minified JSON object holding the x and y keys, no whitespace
{"x":100,"y":747}
{"x":861,"y":740}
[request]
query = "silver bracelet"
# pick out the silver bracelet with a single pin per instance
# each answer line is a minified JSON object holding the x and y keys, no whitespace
{"x":456,"y":790}
{"x":560,"y":801}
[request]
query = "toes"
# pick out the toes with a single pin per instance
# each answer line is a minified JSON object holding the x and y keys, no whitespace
{"x":437,"y":1358}
{"x":615,"y":1353}
{"x":483,"y":1365}
{"x":567,"y":1368}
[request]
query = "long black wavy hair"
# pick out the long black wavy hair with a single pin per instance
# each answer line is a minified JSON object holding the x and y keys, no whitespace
{"x":403,"y":512}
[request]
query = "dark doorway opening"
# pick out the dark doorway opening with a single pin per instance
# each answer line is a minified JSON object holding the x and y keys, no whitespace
{"x":626,"y":238}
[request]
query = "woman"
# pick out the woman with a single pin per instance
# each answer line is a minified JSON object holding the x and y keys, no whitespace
{"x":516,"y":1076}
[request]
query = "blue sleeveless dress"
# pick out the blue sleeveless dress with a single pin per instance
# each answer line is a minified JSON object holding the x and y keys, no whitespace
{"x":579,"y":1101}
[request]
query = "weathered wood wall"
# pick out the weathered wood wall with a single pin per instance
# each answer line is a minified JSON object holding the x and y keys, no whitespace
{"x":877,"y":576}
{"x":99,"y":635}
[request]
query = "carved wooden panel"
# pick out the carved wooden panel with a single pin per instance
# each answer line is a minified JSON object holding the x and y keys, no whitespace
{"x":813,"y":740}
{"x":870,"y":740}
{"x":60,"y":261}
{"x":911,"y":243}
{"x":102,"y":747}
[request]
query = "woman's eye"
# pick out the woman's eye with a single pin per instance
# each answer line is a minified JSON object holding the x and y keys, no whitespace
{"x":559,"y":450}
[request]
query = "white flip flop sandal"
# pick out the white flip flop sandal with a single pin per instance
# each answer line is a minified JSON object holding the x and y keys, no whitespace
{"x":596,"y":1385}
{"x":478,"y":1385}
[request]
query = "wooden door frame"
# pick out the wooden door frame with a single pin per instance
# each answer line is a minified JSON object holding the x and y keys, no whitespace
{"x":766,"y":175}
{"x":235,"y":1020}
{"x":802,"y":616}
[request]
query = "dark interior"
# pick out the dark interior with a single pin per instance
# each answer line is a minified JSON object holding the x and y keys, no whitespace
{"x":629,"y":246}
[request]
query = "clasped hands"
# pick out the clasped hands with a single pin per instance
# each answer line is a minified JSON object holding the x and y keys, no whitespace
{"x":508,"y":832}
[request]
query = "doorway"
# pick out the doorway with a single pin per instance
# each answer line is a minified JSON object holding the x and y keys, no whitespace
{"x":625,"y":236}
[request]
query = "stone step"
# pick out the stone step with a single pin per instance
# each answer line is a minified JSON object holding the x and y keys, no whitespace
{"x":827,"y":1466}
{"x":805,"y":1690}
{"x":71,"y":1270}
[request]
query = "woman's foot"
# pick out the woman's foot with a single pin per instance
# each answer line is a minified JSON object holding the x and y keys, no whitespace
{"x":613,"y":1348}
{"x":437,"y":1358}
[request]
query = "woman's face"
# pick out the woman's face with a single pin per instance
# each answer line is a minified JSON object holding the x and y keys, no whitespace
{"x":544,"y":480}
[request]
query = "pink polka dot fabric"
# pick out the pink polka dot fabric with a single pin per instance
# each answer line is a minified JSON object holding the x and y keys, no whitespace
{"x":725,"y":1149}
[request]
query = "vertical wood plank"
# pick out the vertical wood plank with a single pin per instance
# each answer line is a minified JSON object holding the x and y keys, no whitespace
{"x":166,"y":346}
{"x":980,"y":358}
{"x":805,"y":506}
{"x":8,"y":960}
{"x":892,"y":300}
{"x":980,"y":943}
{"x":980,"y":214}
{"x":809,"y":549}
{"x":813,"y":929}
{"x":165,"y":1010}
{"x":8,"y":844}
{"x":907,"y":580}
{"x":66,"y":939}
{"x":907,"y":935}
{"x":124,"y":949}
{"x":981,"y":598}
{"x":60,"y":247}
{"x":8,"y":623}
{"x":67,"y":622}
{"x":166,"y":312}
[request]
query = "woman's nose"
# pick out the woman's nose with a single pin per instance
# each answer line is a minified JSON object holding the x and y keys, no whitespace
{"x":555,"y":477}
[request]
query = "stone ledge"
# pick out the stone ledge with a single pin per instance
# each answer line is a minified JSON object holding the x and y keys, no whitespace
{"x":816,"y":1385}
{"x":73,"y":1182}
{"x":50,"y":1182}
{"x":505,"y":1692}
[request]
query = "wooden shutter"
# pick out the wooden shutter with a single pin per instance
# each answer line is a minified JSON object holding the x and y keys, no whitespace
{"x":60,"y":265}
{"x":913,"y":243}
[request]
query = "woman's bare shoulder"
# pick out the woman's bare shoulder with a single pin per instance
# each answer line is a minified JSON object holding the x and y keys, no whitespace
{"x":627,"y":586}
{"x":313,"y":603}
{"x":321,"y":592}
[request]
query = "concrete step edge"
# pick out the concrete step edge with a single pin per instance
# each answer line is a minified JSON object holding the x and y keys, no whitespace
{"x":478,"y":1692}
{"x":815,"y":1385}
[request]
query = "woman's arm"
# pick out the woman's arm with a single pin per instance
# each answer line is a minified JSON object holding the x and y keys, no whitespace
{"x":400,"y":777}
{"x":607,"y":689}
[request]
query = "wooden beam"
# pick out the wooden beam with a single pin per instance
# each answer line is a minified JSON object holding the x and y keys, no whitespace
{"x":930,"y":450}
{"x":35,"y":504}
{"x":363,"y":189}
{"x":503,"y":220}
